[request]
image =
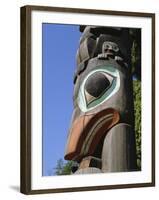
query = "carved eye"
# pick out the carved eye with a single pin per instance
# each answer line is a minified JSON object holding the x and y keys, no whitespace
{"x":107,"y":46}
{"x":116,"y":48}
{"x":96,"y":85}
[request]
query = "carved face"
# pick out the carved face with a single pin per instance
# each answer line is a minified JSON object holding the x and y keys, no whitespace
{"x":110,"y":47}
{"x":100,"y":92}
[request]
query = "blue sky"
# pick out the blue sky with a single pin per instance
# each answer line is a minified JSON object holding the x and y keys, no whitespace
{"x":60,"y":43}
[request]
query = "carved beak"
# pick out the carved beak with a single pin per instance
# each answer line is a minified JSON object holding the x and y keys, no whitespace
{"x":86,"y":132}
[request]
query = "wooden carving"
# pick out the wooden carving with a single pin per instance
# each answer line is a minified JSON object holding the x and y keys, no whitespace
{"x":101,"y":137}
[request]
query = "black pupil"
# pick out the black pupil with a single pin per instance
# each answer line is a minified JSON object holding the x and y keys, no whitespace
{"x":96,"y":84}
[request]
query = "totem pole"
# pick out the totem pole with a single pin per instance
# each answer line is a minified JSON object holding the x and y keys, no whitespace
{"x":101,"y":137}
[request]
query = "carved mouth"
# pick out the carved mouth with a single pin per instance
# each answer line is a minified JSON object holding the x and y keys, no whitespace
{"x":87,"y":131}
{"x":110,"y":52}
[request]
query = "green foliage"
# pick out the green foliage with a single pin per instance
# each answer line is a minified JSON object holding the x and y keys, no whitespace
{"x":63,"y":168}
{"x":136,"y":72}
{"x":137,"y":112}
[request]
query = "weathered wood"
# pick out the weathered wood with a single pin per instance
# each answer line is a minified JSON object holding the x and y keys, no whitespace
{"x":90,"y":161}
{"x":118,"y":150}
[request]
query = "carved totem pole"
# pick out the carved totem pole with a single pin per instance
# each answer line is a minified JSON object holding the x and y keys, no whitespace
{"x":101,"y":137}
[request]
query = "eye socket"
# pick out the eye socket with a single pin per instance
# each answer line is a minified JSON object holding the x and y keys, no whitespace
{"x":96,"y":85}
{"x":107,"y":46}
{"x":116,"y":48}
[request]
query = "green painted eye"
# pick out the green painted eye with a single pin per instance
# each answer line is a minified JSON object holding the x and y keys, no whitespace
{"x":98,"y":87}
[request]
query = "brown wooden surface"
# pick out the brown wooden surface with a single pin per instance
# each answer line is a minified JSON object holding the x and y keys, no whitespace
{"x":25,"y":157}
{"x":118,"y":150}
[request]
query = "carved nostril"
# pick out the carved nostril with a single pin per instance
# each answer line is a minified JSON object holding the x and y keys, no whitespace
{"x":96,"y":84}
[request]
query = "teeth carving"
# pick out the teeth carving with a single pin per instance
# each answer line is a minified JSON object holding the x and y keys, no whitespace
{"x":105,"y":55}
